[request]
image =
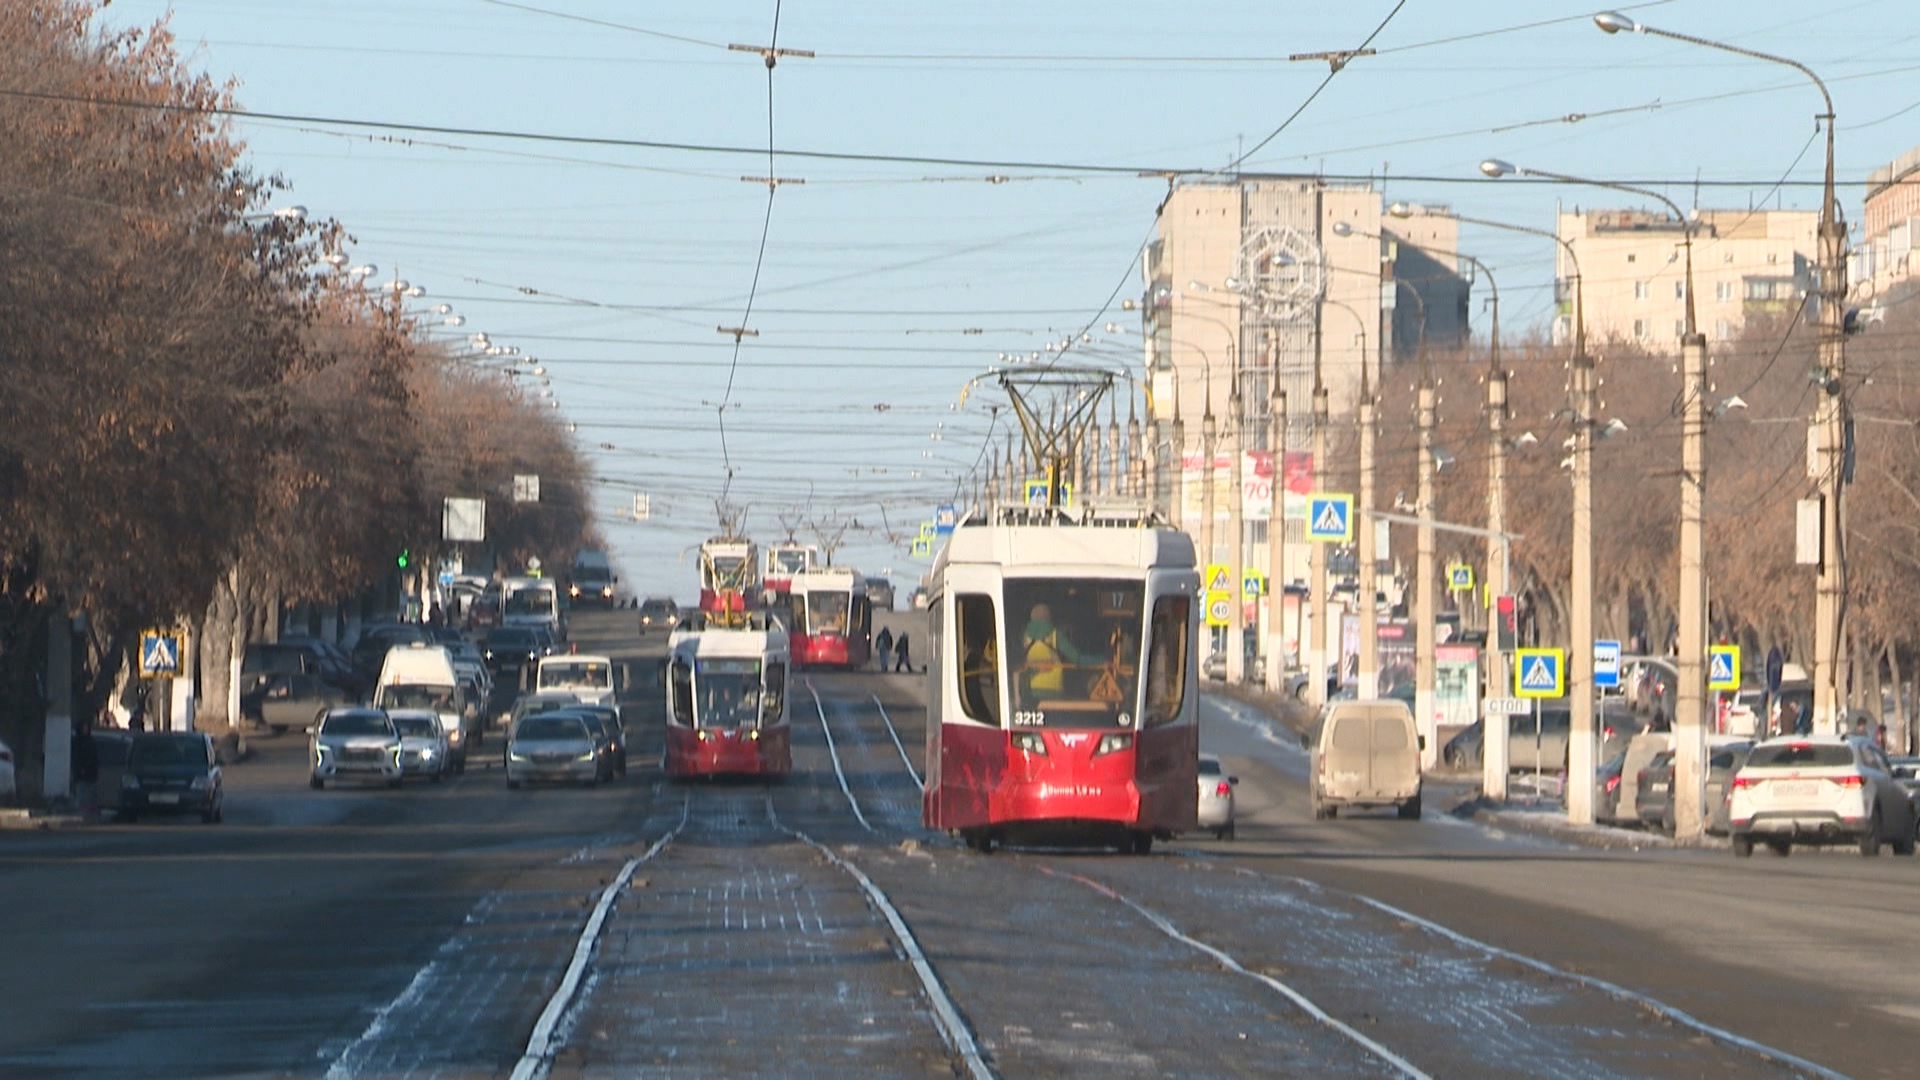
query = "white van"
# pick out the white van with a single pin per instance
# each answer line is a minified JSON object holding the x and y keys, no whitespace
{"x":589,"y":678}
{"x":1365,"y":753}
{"x":531,"y":601}
{"x":422,"y":676}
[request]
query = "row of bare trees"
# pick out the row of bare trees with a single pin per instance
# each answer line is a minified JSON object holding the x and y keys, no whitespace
{"x":1761,"y":398}
{"x":202,"y":420}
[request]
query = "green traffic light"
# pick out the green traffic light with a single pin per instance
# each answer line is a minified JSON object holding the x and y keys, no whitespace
{"x":403,"y":559}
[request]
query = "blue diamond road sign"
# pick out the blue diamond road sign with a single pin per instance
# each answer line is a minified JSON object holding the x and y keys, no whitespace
{"x":1723,"y":667}
{"x":159,"y":655}
{"x":1539,"y":673}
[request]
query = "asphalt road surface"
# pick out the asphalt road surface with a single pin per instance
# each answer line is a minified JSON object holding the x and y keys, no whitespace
{"x":813,"y":928}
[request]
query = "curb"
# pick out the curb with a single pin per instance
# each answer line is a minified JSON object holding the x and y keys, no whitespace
{"x":14,"y":818}
{"x":1554,"y":826}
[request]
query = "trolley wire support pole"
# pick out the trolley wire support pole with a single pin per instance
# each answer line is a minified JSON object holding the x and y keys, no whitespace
{"x":1368,"y":674}
{"x":1424,"y":585}
{"x":1057,"y":408}
{"x":1277,"y":538}
{"x":1318,"y":553}
{"x":1237,"y":537}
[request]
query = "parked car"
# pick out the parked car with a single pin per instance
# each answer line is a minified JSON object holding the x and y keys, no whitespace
{"x":1365,"y":753}
{"x":1653,"y":789}
{"x":554,"y":745}
{"x":9,"y":787}
{"x":110,"y":750}
{"x":370,"y":651}
{"x":172,"y":772}
{"x":1606,"y":789}
{"x":880,"y":593}
{"x":1254,"y":669}
{"x":355,"y":742}
{"x":919,"y":599}
{"x":1819,"y":789}
{"x":1654,"y":795}
{"x":423,"y":743}
{"x":658,"y":613}
{"x":336,"y":664}
{"x":286,"y":701}
{"x":1546,"y":749}
{"x":1216,"y":797}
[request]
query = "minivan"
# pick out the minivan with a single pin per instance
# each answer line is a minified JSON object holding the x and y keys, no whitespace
{"x":422,"y":676}
{"x":1366,"y":753}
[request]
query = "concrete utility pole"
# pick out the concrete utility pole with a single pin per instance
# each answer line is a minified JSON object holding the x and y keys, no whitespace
{"x":1317,"y":553}
{"x":1368,"y":558}
{"x":1830,"y":418}
{"x":1275,"y":644}
{"x":1690,"y":712}
{"x":1424,"y":570}
{"x":1237,"y":537}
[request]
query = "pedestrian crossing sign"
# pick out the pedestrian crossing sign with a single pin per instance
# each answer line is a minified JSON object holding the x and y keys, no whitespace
{"x":923,"y":547}
{"x":1723,"y":667}
{"x":1539,"y":673}
{"x":159,"y":655}
{"x":1219,"y":578}
{"x":1460,"y":578}
{"x":1330,"y":518}
{"x":1253,"y":584}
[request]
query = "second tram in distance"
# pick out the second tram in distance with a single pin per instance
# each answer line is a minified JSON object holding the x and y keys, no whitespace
{"x":727,"y":704}
{"x":831,"y":619}
{"x":1063,"y":693}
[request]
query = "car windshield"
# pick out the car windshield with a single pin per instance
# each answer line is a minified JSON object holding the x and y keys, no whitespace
{"x":1803,"y":755}
{"x":537,"y":601}
{"x":1209,"y":767}
{"x":656,"y":607}
{"x":417,"y":726}
{"x":356,"y":724}
{"x":167,"y":750}
{"x":437,"y":698}
{"x":551,"y":728}
{"x":595,"y":673}
{"x":511,"y":639}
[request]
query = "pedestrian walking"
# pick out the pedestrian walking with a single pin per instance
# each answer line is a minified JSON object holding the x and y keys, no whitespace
{"x":884,"y":646}
{"x":903,"y":661}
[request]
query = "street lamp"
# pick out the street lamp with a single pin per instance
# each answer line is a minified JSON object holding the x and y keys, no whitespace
{"x":1690,"y":704}
{"x":1830,"y":416}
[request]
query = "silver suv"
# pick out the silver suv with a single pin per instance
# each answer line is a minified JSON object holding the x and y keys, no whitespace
{"x":355,"y":742}
{"x":1819,"y":789}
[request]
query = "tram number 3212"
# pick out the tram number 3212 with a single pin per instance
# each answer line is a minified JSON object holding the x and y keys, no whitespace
{"x":1038,"y":718}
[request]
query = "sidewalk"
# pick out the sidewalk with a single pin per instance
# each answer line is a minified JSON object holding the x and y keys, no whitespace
{"x":24,"y":818}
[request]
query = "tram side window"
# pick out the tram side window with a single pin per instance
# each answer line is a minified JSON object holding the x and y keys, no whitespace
{"x":1167,"y":659}
{"x":979,"y":670}
{"x":772,"y":702}
{"x":682,"y":679}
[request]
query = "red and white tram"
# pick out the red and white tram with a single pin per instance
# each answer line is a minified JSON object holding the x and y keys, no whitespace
{"x":831,"y":619}
{"x":784,"y":561}
{"x":729,"y":571}
{"x":727,"y":704}
{"x":1063,"y":696}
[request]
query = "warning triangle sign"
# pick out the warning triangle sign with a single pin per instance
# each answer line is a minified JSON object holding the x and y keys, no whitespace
{"x":1218,"y":579}
{"x":1331,"y":520}
{"x":1538,"y":674}
{"x":1720,"y":668}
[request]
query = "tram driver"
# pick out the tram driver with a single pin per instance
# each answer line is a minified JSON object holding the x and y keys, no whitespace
{"x":1047,"y":654}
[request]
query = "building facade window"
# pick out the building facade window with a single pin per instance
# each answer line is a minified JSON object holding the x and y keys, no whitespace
{"x":1641,"y":290}
{"x":1679,"y":290}
{"x":1640,"y":329}
{"x":1679,"y":327}
{"x":1722,"y":329}
{"x":1723,"y":290}
{"x":1631,"y":257}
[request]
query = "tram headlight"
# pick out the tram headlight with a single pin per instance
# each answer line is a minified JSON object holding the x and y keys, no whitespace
{"x":1029,"y":742}
{"x":1113,"y":743}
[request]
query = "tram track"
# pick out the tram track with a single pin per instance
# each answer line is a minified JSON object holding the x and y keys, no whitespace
{"x":1368,"y":963}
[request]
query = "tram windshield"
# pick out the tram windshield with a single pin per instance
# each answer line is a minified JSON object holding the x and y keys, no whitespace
{"x":789,"y":561}
{"x":1073,"y":649}
{"x":827,"y":612}
{"x":729,"y":569}
{"x":729,"y":693}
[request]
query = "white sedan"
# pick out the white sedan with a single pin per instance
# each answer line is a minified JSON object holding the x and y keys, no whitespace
{"x":1216,"y":797}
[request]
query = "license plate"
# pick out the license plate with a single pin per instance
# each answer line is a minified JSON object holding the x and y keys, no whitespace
{"x":1657,"y":787}
{"x":1792,"y":788}
{"x":164,"y":798}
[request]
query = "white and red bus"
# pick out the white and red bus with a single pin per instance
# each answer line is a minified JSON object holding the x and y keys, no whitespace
{"x":782,"y":562}
{"x":1063,"y":687}
{"x":831,"y":619}
{"x":727,"y":704}
{"x":729,"y":572}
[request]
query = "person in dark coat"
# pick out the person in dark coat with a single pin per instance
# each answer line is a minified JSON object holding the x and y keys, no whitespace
{"x":902,"y":660}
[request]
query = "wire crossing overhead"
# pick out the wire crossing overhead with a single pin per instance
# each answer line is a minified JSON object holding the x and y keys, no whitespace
{"x":1057,"y":408}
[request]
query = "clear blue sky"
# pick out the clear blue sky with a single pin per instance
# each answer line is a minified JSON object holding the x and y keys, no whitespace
{"x":886,"y":285}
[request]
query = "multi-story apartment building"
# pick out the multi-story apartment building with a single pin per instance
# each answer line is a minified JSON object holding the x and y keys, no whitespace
{"x":1881,"y":267}
{"x":1745,"y":263}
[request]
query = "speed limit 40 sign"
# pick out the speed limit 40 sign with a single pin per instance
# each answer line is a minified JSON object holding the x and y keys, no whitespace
{"x":1219,"y":607}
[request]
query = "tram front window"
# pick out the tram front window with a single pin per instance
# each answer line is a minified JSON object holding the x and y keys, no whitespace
{"x":729,"y":693}
{"x":1073,"y":651}
{"x":790,"y":562}
{"x":827,"y":612}
{"x":728,"y":570}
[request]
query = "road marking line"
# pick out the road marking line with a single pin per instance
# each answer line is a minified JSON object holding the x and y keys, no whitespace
{"x":911,"y":771}
{"x":953,"y":1027}
{"x":539,"y":1052}
{"x":1614,"y":989}
{"x":1225,"y":960}
{"x":835,"y":755}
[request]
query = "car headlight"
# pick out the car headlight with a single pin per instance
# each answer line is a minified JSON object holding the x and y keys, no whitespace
{"x":515,"y":755}
{"x":588,"y":756}
{"x":200,"y":783}
{"x":455,"y":736}
{"x":427,"y":754}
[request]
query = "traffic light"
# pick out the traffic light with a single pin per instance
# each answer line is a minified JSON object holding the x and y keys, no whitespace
{"x":404,"y":559}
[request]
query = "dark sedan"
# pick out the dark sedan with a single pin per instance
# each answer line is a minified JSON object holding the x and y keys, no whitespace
{"x":172,"y":773}
{"x":510,"y":648}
